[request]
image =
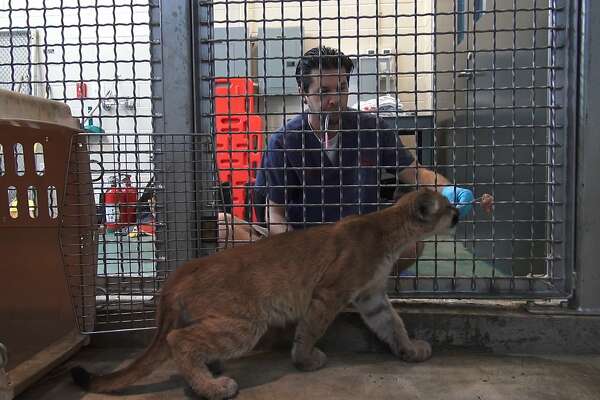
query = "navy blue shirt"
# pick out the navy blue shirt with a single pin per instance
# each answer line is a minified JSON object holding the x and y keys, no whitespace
{"x":297,"y":173}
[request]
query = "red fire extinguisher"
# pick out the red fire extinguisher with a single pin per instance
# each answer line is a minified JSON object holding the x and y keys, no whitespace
{"x":129,"y":196}
{"x":81,"y":89}
{"x":112,"y":200}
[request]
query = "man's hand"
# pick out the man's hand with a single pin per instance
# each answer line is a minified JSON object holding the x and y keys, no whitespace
{"x":462,"y":198}
{"x":487,"y":202}
{"x":275,"y":218}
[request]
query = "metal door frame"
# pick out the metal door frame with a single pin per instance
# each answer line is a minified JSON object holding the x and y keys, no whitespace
{"x":192,"y":89}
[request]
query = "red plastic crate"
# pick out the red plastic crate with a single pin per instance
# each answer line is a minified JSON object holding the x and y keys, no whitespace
{"x":244,"y":132}
{"x":234,"y":96}
{"x":236,"y":161}
{"x":239,"y":139}
{"x":242,"y":146}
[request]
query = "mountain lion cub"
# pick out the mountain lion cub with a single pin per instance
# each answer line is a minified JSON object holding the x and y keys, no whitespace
{"x":216,"y":308}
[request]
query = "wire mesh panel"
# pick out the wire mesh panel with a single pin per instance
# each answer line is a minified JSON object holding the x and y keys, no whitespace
{"x":94,"y":55}
{"x":215,"y":124}
{"x":323,"y":109}
{"x":132,"y":261}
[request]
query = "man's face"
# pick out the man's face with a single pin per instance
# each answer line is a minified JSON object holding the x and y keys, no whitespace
{"x":327,"y":92}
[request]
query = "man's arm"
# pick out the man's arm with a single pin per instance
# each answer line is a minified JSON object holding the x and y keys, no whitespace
{"x":275,"y":181}
{"x":275,"y":218}
{"x":416,"y":174}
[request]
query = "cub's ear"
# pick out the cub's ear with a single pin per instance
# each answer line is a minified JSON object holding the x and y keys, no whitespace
{"x":427,"y":204}
{"x":401,"y":191}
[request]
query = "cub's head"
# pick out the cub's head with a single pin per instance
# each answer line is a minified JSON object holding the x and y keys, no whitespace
{"x":428,"y":211}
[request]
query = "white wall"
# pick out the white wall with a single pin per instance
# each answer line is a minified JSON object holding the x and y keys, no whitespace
{"x":105,"y":57}
{"x":103,"y":62}
{"x":364,"y":22}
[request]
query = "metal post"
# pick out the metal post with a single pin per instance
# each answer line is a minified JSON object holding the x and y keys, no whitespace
{"x":204,"y":154}
{"x":173,"y":92}
{"x":587,"y":292}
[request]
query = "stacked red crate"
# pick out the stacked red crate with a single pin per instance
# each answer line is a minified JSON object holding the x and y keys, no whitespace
{"x":239,"y":138}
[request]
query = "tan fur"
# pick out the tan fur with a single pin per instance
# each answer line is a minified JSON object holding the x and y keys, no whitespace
{"x":217,"y":307}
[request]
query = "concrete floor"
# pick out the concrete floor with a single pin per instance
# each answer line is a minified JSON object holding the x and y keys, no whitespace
{"x":450,"y":374}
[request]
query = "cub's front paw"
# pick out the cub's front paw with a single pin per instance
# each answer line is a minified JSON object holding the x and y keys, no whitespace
{"x":308,"y":361}
{"x":419,"y":351}
{"x":217,"y":389}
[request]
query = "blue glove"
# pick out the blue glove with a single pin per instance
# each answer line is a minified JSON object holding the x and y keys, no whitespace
{"x":460,"y":197}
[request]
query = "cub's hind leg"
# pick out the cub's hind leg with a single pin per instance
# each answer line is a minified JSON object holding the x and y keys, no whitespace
{"x":195,"y":347}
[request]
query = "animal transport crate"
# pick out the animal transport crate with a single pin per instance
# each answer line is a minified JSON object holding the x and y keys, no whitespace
{"x":46,"y":234}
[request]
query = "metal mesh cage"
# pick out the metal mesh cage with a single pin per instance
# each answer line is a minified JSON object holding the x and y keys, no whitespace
{"x":472,"y":89}
{"x":183,"y":103}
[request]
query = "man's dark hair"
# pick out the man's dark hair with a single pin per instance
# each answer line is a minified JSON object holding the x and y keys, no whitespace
{"x":326,"y":58}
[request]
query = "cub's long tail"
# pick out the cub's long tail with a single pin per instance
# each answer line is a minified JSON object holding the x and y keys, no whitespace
{"x":152,"y":357}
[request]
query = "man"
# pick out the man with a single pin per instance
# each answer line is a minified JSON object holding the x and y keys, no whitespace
{"x":325,"y":164}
